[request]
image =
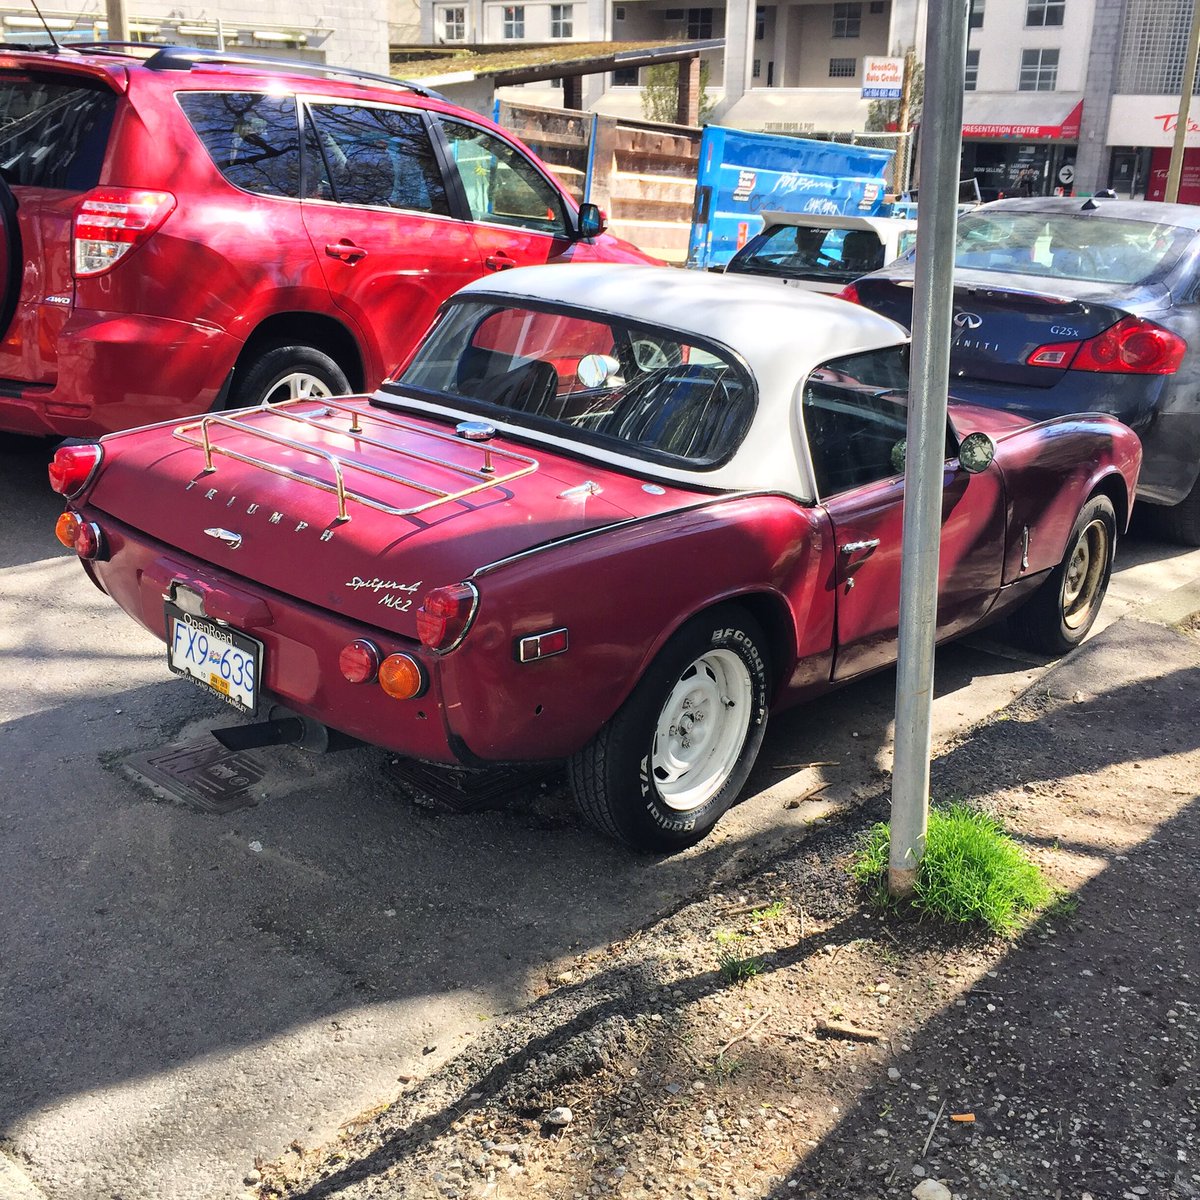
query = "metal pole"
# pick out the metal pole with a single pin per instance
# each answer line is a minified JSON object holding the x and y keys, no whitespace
{"x":1175,"y":170}
{"x":118,"y":21}
{"x":933,"y":302}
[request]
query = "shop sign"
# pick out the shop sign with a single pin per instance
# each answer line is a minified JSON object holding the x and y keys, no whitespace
{"x":883,"y":78}
{"x":1150,"y":121}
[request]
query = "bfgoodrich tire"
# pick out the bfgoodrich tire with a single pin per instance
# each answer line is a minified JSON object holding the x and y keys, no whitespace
{"x":287,"y":372}
{"x":1057,"y":617}
{"x":676,"y":754}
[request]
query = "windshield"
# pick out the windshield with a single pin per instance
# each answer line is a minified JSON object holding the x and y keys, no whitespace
{"x":650,"y":392}
{"x":1069,"y":246}
{"x":800,"y":252}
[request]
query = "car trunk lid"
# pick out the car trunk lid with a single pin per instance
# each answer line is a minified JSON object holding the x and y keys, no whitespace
{"x":1000,"y":320}
{"x":257,"y":494}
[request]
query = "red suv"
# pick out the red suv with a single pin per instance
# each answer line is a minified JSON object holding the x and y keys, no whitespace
{"x":195,"y":230}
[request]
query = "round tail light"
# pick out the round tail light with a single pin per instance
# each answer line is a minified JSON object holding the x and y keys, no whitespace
{"x":65,"y":529}
{"x":89,"y":541}
{"x":359,"y":661}
{"x":401,"y":677}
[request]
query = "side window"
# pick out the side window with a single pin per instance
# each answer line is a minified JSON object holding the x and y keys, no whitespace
{"x":502,"y":186}
{"x":54,"y":135}
{"x":855,"y":413}
{"x":252,"y":138}
{"x":376,"y":156}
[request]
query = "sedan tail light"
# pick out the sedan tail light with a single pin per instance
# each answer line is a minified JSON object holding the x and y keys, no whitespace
{"x":73,"y":468}
{"x":112,"y":221}
{"x":445,"y":615}
{"x":1132,"y":346}
{"x":849,"y":292}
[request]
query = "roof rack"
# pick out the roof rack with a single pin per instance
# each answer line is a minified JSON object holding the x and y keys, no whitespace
{"x":479,"y":478}
{"x":184,"y":58}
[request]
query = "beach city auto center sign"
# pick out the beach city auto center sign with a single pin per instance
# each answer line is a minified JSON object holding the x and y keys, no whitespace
{"x":883,"y":78}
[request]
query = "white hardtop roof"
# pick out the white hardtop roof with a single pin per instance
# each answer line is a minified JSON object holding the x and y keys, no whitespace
{"x":877,"y":225}
{"x":780,"y":334}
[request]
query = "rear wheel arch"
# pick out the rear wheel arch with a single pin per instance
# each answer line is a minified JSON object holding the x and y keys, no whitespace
{"x":322,"y":333}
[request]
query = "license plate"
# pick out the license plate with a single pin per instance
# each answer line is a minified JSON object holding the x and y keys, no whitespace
{"x":227,"y":662}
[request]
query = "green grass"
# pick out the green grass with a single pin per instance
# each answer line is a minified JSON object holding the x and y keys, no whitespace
{"x":737,"y":970}
{"x":972,"y":872}
{"x":769,"y":912}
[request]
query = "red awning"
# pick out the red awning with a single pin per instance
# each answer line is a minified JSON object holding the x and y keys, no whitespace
{"x":1034,"y":129}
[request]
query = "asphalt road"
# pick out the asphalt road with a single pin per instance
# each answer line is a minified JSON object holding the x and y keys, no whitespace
{"x":182,"y":992}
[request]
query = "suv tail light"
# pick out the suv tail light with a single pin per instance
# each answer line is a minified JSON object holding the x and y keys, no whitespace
{"x":73,"y":467}
{"x":445,"y":615}
{"x":1132,"y":346}
{"x":111,"y":221}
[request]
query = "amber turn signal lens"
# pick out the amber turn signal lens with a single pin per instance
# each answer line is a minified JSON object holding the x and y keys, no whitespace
{"x":65,"y":529}
{"x":401,"y":677}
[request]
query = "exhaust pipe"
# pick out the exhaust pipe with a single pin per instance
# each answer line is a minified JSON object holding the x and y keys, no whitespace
{"x":281,"y":732}
{"x":285,"y":728}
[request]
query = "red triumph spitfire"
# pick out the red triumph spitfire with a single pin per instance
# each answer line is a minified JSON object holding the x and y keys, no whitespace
{"x":613,"y":515}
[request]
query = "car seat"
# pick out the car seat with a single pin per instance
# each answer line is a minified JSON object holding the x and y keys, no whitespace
{"x":862,"y":251}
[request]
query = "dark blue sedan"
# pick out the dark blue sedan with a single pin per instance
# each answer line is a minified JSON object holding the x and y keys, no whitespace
{"x":1067,"y":306}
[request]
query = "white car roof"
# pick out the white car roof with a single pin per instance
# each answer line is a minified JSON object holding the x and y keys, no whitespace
{"x":781,"y":334}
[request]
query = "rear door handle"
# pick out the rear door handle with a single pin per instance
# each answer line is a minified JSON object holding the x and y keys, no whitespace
{"x":858,"y":547}
{"x":346,"y":250}
{"x":499,"y":262}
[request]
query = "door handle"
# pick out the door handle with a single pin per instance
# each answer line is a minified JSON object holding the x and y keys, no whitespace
{"x":499,"y":262}
{"x":858,"y":547}
{"x":346,"y":250}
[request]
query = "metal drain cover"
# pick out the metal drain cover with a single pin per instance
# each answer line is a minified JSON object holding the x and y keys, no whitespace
{"x":462,"y":789}
{"x":201,"y":773}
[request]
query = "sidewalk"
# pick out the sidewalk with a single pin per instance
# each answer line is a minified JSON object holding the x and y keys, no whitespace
{"x":837,"y":1069}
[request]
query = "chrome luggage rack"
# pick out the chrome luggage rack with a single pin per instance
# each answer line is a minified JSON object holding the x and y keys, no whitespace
{"x":484,"y":476}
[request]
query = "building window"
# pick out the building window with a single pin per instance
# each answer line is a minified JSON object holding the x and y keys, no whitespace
{"x":625,"y":77}
{"x":618,"y":13}
{"x":514,"y":21}
{"x":847,"y":20}
{"x":972,"y":72}
{"x":757,"y":69}
{"x":843,"y":68}
{"x":454,"y":24}
{"x":1044,"y":12}
{"x":561,"y":23}
{"x":760,"y":23}
{"x":674,"y":14}
{"x":976,"y":19}
{"x":1039,"y":71}
{"x":699,"y":23}
{"x":875,"y":8}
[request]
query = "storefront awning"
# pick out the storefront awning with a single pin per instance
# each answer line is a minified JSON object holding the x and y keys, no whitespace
{"x":1025,"y":116}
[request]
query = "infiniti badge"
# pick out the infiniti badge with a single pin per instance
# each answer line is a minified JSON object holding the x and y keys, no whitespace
{"x":967,"y":320}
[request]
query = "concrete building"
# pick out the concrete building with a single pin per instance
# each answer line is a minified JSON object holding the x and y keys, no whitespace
{"x":1059,"y":94}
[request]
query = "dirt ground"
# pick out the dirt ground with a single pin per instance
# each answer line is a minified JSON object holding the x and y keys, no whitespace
{"x":863,"y":1056}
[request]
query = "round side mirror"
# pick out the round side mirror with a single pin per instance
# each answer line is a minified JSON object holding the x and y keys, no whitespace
{"x":975,"y":453}
{"x":592,"y":222}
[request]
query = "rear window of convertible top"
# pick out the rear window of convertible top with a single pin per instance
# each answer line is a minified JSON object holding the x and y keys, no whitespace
{"x":648,"y":392}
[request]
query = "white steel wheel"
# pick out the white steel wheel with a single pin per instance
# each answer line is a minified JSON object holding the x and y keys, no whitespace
{"x":659,"y":774}
{"x":1057,"y":617}
{"x":701,"y":730}
{"x":1086,"y":574}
